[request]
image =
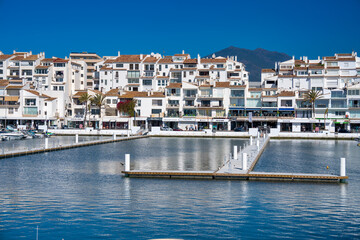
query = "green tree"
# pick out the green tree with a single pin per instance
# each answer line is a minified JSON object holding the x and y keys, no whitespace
{"x":85,"y":99}
{"x":311,"y":96}
{"x":99,"y":101}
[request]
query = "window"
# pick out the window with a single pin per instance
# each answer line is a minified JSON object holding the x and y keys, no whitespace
{"x":55,"y":88}
{"x":133,"y":80}
{"x":119,"y":65}
{"x":139,"y":103}
{"x":133,"y":74}
{"x":131,"y":66}
{"x":105,"y":72}
{"x":147,"y":82}
{"x":61,"y":88}
{"x":332,"y":64}
{"x":286,"y":103}
{"x":157,"y":102}
{"x":82,"y":75}
{"x":105,"y":82}
{"x":108,"y":101}
{"x":59,"y":64}
{"x":339,"y":113}
{"x":230,"y":67}
{"x":155,"y":111}
{"x":220,"y":65}
{"x":354,"y":92}
{"x":346,"y":64}
{"x":11,"y":110}
{"x":161,"y":82}
{"x":30,"y":102}
{"x":160,"y":67}
{"x":166,"y":66}
{"x":184,"y":74}
{"x":137,"y":66}
{"x":114,"y":101}
{"x":191,"y":73}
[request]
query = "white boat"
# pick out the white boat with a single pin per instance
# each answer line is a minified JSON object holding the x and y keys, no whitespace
{"x":12,"y":135}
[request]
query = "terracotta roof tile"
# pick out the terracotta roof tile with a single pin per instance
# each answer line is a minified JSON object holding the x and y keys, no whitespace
{"x":267,"y":70}
{"x":190,"y":61}
{"x":166,"y":60}
{"x":213,"y":60}
{"x":4,"y":83}
{"x":113,"y":93}
{"x":222,"y":84}
{"x":128,"y":59}
{"x":287,"y":94}
{"x":174,"y":85}
{"x":151,"y":60}
{"x":5,"y":56}
{"x":237,"y":86}
{"x":28,"y":58}
{"x":37,"y":93}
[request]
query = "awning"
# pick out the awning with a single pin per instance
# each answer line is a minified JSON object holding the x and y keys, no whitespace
{"x":286,"y":109}
{"x":11,"y":98}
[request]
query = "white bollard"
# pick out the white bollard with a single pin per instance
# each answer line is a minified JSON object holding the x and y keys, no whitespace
{"x":258,"y":134}
{"x":251,"y":140}
{"x":46,"y":142}
{"x":114,"y":136}
{"x":235,"y":153}
{"x":342,"y":167}
{"x":258,"y":144}
{"x":128,"y":134}
{"x":244,"y":164}
{"x":127,"y":162}
{"x":77,"y":138}
{"x":264,"y":135}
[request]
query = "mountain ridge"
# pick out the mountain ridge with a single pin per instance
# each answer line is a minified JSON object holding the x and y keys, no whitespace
{"x":254,"y":60}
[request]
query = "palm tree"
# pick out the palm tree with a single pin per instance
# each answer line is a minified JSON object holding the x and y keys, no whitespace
{"x":311,"y":97}
{"x":84,"y":99}
{"x":99,"y":101}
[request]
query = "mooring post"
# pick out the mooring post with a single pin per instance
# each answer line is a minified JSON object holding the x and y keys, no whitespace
{"x":251,"y":140}
{"x":258,"y":134}
{"x":244,"y":158}
{"x":264,"y":135}
{"x":77,"y":138}
{"x":46,"y":142}
{"x":235,"y":153}
{"x":342,"y":167}
{"x":258,"y":144}
{"x":127,"y":162}
{"x":114,"y":136}
{"x":128,"y":133}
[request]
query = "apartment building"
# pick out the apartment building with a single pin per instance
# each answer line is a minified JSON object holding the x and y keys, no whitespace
{"x":87,"y":74}
{"x":336,"y":77}
{"x":180,"y":92}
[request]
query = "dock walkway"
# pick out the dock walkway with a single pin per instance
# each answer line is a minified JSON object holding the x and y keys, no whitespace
{"x":21,"y":152}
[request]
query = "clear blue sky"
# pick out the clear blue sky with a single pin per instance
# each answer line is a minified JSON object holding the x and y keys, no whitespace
{"x":308,"y":28}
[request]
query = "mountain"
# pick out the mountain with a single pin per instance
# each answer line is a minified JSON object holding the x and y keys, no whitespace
{"x":254,"y":60}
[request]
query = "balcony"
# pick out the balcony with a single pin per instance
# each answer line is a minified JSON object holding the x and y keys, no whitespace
{"x":30,"y":111}
{"x":59,"y":76}
{"x":172,"y":105}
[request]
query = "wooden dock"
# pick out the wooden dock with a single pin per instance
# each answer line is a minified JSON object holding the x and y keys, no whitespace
{"x":233,"y":169}
{"x":63,"y":147}
{"x":253,"y":176}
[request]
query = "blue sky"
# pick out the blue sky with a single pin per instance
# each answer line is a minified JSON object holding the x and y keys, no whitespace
{"x":300,"y":28}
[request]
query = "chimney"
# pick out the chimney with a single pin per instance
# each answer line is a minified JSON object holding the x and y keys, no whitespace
{"x":198,"y":58}
{"x":14,"y":52}
{"x":141,"y":56}
{"x":148,"y":93}
{"x":213,"y":56}
{"x":293,"y":57}
{"x":30,"y":53}
{"x":66,"y":58}
{"x":183,"y":52}
{"x":319,"y":58}
{"x":235,"y":58}
{"x":300,"y":58}
{"x":118,"y":53}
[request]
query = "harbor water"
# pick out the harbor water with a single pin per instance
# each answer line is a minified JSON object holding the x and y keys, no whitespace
{"x":80,"y":193}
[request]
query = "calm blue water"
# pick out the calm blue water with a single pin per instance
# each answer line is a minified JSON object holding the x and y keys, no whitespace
{"x":80,"y":193}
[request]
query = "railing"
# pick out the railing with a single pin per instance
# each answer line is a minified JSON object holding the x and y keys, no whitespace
{"x":172,"y":105}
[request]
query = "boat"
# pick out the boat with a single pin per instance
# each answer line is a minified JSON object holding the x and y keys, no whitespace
{"x":12,"y":135}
